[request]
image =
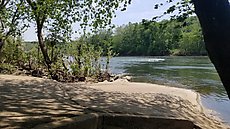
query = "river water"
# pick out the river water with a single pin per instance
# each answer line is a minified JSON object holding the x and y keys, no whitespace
{"x":196,"y":73}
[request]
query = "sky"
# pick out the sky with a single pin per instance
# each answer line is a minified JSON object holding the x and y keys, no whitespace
{"x":136,"y":11}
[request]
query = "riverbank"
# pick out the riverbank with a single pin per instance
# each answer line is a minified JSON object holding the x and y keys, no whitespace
{"x":27,"y":101}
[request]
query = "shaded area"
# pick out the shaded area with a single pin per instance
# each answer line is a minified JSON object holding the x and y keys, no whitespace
{"x":160,"y":105}
{"x":103,"y":121}
{"x":27,"y":102}
{"x":140,"y":122}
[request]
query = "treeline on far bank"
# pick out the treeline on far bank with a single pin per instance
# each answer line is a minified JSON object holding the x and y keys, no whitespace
{"x":150,"y":38}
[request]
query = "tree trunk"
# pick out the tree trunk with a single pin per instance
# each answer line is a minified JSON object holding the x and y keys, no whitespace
{"x":43,"y":47}
{"x":1,"y":45}
{"x":214,"y":17}
{"x":79,"y":57}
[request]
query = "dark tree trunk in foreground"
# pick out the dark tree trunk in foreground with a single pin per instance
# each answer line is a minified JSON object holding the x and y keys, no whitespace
{"x":214,"y":17}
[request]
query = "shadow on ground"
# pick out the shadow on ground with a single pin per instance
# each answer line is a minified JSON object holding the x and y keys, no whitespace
{"x":29,"y":102}
{"x":25,"y":103}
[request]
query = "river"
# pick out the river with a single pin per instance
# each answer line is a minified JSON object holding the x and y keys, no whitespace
{"x":196,"y":73}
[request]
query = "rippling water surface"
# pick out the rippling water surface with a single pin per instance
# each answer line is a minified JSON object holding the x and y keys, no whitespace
{"x":196,"y":73}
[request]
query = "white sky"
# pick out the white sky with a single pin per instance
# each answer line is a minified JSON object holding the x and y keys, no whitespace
{"x":138,"y":10}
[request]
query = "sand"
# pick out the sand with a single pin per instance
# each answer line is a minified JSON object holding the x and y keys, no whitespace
{"x":124,"y":86}
{"x":26,"y":102}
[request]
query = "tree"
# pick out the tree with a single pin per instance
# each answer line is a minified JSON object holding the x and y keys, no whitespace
{"x":9,"y":20}
{"x":191,"y":41}
{"x":214,"y":17}
{"x":151,"y":38}
{"x":56,"y":17}
{"x":125,"y":40}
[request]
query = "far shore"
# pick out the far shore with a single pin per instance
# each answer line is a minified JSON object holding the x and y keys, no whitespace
{"x":28,"y":101}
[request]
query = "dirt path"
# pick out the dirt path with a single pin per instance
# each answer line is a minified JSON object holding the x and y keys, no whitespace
{"x":26,"y":102}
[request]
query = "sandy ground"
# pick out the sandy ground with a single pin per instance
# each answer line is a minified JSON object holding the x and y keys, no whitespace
{"x":26,"y":102}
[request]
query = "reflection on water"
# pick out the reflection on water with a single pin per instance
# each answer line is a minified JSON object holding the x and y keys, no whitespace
{"x":196,"y":73}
